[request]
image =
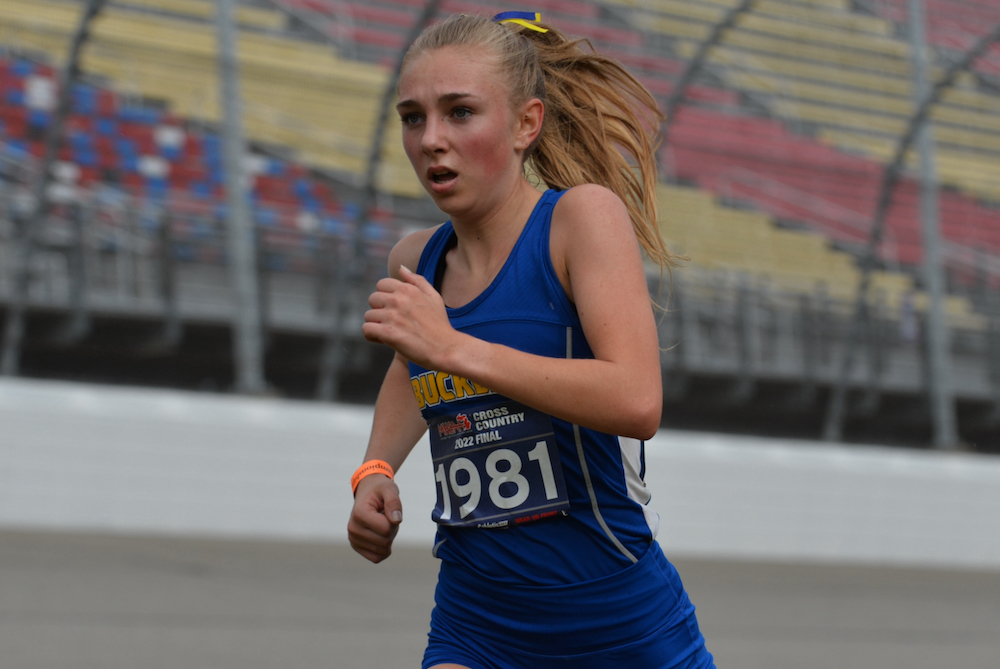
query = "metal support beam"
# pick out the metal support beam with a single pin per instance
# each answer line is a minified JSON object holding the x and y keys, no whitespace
{"x":697,"y":62}
{"x":870,"y":400}
{"x":809,"y":333}
{"x":77,"y":324}
{"x":993,"y":354}
{"x":14,"y":323}
{"x":939,"y":369}
{"x":746,"y":327}
{"x":248,"y":351}
{"x":263,"y":289}
{"x":171,"y":331}
{"x":837,"y":404}
{"x":351,"y":270}
{"x":671,"y":316}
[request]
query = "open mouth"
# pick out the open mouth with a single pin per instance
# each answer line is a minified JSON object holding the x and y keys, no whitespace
{"x":443,"y":177}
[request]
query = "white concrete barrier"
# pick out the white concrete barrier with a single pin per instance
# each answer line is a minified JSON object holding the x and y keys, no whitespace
{"x":721,"y":495}
{"x":85,"y":457}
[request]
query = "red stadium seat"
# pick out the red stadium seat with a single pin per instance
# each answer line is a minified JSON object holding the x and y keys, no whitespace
{"x":732,"y":156}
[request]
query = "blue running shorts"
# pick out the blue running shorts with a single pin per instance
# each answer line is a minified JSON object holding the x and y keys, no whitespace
{"x":639,"y":618}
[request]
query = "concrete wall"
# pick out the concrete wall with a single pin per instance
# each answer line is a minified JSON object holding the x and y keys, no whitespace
{"x":83,"y":457}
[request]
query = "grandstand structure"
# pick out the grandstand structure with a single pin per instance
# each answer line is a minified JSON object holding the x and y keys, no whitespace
{"x":770,"y":182}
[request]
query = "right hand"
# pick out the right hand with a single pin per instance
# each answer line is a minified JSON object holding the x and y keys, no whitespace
{"x":375,"y":518}
{"x":409,"y":315}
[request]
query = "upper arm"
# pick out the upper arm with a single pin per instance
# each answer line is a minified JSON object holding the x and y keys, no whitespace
{"x":596,"y":253}
{"x":407,"y":250}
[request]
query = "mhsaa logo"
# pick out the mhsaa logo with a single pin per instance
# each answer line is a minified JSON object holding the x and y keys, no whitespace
{"x":457,"y":426}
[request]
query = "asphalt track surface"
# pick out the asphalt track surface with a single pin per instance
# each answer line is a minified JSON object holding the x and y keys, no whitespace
{"x":80,"y":601}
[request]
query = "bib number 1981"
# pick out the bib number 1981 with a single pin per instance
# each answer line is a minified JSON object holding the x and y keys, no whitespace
{"x":496,"y":473}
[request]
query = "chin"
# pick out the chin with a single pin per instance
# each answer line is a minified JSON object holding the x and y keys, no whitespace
{"x":449,"y":203}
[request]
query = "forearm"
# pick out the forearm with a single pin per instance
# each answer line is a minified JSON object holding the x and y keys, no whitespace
{"x":397,"y":425}
{"x":609,"y":396}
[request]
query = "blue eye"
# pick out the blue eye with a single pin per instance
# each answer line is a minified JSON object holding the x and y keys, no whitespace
{"x":410,"y":119}
{"x":462,"y":113}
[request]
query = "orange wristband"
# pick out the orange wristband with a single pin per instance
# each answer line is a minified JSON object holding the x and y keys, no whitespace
{"x":369,"y":468}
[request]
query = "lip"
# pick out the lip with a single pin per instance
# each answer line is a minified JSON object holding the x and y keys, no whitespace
{"x":440,"y":188}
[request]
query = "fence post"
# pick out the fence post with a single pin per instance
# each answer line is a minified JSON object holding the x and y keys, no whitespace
{"x":167,"y":276}
{"x":939,"y":368}
{"x":248,"y":351}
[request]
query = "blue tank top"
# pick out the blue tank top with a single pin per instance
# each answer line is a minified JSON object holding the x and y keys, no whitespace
{"x":608,"y":525}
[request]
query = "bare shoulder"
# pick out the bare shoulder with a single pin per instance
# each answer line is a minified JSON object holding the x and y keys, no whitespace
{"x":591,"y":233}
{"x":590,"y":215}
{"x":587,"y":195}
{"x":590,"y":209}
{"x":407,"y":250}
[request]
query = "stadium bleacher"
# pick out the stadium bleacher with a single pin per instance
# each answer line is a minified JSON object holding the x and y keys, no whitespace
{"x":709,"y":168}
{"x":292,"y":88}
{"x":729,"y":240}
{"x":773,"y":164}
{"x":153,"y":155}
{"x":951,"y":25}
{"x":813,"y":183}
{"x":783,"y":54}
{"x":835,"y":87}
{"x":833,"y":81}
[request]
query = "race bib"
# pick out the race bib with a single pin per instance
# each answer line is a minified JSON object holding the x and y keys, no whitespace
{"x":495,"y":467}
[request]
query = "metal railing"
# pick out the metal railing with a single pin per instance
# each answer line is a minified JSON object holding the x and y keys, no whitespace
{"x":134,"y":255}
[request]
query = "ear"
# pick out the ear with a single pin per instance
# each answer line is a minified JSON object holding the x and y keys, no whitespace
{"x":528,"y":123}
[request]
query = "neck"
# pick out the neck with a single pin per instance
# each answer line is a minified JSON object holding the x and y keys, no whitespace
{"x":485,"y":241}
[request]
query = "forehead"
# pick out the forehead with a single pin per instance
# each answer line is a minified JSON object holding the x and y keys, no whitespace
{"x":451,"y":69}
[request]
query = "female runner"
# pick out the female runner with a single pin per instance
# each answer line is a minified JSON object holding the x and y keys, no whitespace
{"x":526,"y":343}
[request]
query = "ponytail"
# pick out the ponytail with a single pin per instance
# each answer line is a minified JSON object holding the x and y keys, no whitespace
{"x":601,"y":125}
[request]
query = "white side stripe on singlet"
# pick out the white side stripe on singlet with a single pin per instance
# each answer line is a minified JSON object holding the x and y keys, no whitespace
{"x":586,"y":472}
{"x":434,"y":551}
{"x":631,"y":450}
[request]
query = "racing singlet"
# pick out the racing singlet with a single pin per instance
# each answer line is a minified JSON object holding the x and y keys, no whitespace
{"x":521,"y":495}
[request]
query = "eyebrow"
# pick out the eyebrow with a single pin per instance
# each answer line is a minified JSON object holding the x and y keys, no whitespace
{"x":447,"y":97}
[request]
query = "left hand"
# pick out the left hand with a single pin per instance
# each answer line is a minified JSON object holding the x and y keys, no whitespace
{"x":409,"y":315}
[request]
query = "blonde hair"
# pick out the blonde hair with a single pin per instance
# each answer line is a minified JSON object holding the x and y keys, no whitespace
{"x":597,"y":115}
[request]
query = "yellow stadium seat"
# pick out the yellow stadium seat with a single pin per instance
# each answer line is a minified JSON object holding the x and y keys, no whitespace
{"x":724,"y":239}
{"x":825,"y":16}
{"x":959,"y":312}
{"x":819,"y":14}
{"x":697,"y":11}
{"x":812,"y":34}
{"x":797,"y":68}
{"x":819,"y":53}
{"x":669,"y":26}
{"x":821,"y":93}
{"x":202,"y":9}
{"x":976,"y":174}
{"x":828,"y":115}
{"x":843,"y":76}
{"x":837,"y":5}
{"x":967,"y":117}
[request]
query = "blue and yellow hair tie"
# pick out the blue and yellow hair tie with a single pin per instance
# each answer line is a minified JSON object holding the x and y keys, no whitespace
{"x":526,"y":19}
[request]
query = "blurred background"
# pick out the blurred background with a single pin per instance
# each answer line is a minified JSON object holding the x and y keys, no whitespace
{"x":794,"y":176}
{"x":196,"y":199}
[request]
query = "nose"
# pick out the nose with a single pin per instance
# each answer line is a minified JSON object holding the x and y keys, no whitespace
{"x":434,"y":137}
